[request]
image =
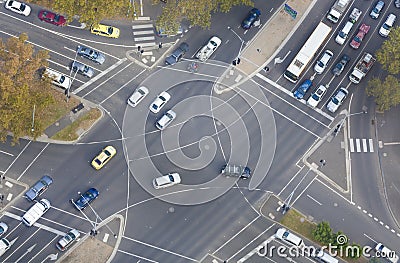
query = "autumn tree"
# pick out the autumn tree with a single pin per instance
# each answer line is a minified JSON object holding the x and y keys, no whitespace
{"x":389,"y":53}
{"x":386,"y":93}
{"x":197,"y":12}
{"x":21,"y":89}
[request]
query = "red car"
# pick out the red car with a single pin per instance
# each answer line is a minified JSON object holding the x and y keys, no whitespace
{"x":356,"y":42}
{"x":52,"y":18}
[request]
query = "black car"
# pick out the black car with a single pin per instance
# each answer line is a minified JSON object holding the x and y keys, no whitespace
{"x":177,"y":54}
{"x":251,"y":18}
{"x":85,"y":199}
{"x":339,"y":67}
{"x":39,"y":188}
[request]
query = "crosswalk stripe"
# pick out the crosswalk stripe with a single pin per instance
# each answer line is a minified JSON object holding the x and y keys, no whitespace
{"x":371,"y":145}
{"x":358,"y":146}
{"x":144,"y":38}
{"x":145,"y":32}
{"x":142,"y":26}
{"x":364,"y":142}
{"x":351,"y":145}
{"x":148,"y":44}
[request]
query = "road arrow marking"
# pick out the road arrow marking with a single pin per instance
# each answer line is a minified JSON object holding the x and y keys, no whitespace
{"x":27,"y":251}
{"x":279,"y":60}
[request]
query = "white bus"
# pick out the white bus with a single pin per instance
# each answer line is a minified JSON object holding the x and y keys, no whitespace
{"x":307,"y":52}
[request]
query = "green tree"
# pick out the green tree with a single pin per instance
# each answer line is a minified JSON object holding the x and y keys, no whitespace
{"x":389,"y":53}
{"x":198,"y":12}
{"x":93,"y":11}
{"x":323,"y":233}
{"x":386,"y":93}
{"x":20,"y":88}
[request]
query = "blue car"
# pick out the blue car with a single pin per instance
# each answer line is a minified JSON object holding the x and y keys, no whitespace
{"x":251,"y":18}
{"x":86,"y":198}
{"x":39,"y":188}
{"x":302,"y":89}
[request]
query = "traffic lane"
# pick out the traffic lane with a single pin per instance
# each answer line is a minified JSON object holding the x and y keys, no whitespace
{"x":10,"y":153}
{"x":220,"y":218}
{"x":323,"y":203}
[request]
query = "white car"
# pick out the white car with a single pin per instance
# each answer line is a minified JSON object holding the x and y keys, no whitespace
{"x":206,"y":51}
{"x":138,"y":96}
{"x":386,"y":252}
{"x":165,"y":120}
{"x":166,"y":180}
{"x":68,"y":239}
{"x":337,"y":100}
{"x":289,"y":238}
{"x":323,"y":62}
{"x":159,"y":102}
{"x":3,"y":228}
{"x":18,"y":7}
{"x":316,"y":97}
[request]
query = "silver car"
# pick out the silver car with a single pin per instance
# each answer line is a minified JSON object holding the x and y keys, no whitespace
{"x":68,"y":239}
{"x":166,"y":180}
{"x":91,"y":54}
{"x":137,"y":96}
{"x":165,"y":120}
{"x":82,"y":69}
{"x":337,"y":100}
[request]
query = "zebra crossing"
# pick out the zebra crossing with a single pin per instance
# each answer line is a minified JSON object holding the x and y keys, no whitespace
{"x":361,"y":145}
{"x":144,"y":35}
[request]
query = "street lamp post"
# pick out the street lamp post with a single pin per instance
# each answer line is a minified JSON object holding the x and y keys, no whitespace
{"x":242,"y":43}
{"x":33,"y":118}
{"x":339,"y":126}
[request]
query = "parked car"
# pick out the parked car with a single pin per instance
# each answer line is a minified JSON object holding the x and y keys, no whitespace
{"x":387,"y":26}
{"x":137,"y":96}
{"x":206,"y":51}
{"x":105,"y":30}
{"x":233,"y":170}
{"x":323,"y":61}
{"x":289,"y":238}
{"x":18,"y":7}
{"x":166,"y":120}
{"x":177,"y":54}
{"x":316,"y":97}
{"x":86,"y":198}
{"x":104,"y":157}
{"x":57,"y":78}
{"x":83,"y":69}
{"x":302,"y":89}
{"x":397,"y":3}
{"x":91,"y":54}
{"x":166,"y":180}
{"x":3,"y":228}
{"x":339,"y":67}
{"x":377,"y":9}
{"x":39,"y":188}
{"x":159,"y":102}
{"x":337,"y":100}
{"x":356,"y":42}
{"x":68,"y":239}
{"x":4,"y":246}
{"x":386,"y":253}
{"x":161,"y":32}
{"x":251,"y":18}
{"x":52,"y":18}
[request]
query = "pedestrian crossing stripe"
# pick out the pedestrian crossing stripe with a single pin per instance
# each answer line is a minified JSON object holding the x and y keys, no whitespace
{"x":361,"y":145}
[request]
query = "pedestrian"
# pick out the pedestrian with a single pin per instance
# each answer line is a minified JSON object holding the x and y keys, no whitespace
{"x":141,"y":52}
{"x":266,"y":68}
{"x":258,"y":50}
{"x":138,"y":48}
{"x":160,"y":45}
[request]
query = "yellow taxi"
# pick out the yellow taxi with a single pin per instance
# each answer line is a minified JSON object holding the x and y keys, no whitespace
{"x":103,"y":157}
{"x":104,"y":30}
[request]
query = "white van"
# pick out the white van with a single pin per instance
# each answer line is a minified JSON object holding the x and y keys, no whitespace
{"x":324,"y":257}
{"x":387,"y":26}
{"x":57,"y":78}
{"x":35,"y":212}
{"x":4,"y":246}
{"x":289,"y":238}
{"x":344,"y":33}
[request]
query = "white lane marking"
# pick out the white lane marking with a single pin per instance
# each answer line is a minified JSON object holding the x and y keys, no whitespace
{"x":44,"y":247}
{"x":8,"y":168}
{"x":10,"y":154}
{"x":351,"y":145}
{"x":358,"y":145}
{"x":364,"y":143}
{"x":142,"y":26}
{"x":148,"y":44}
{"x":136,"y":39}
{"x":312,"y":181}
{"x":289,"y":182}
{"x":110,"y":77}
{"x":144,"y":32}
{"x":99,"y":76}
{"x":40,"y":226}
{"x":140,"y":73}
{"x":235,"y":235}
{"x":371,"y":145}
{"x":291,"y":95}
{"x":26,"y":169}
{"x":159,"y":248}
{"x":312,"y":198}
{"x":58,"y":64}
{"x":105,"y":238}
{"x":16,"y":249}
{"x":137,"y":256}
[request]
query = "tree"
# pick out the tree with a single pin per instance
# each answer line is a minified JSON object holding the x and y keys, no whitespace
{"x":198,"y":12}
{"x":386,"y":93}
{"x":389,"y":53}
{"x":93,"y":11}
{"x":323,"y":233}
{"x":20,"y":88}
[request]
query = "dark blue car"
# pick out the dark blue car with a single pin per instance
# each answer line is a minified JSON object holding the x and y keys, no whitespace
{"x":39,"y":188}
{"x":251,"y":18}
{"x":86,"y":198}
{"x":302,"y":89}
